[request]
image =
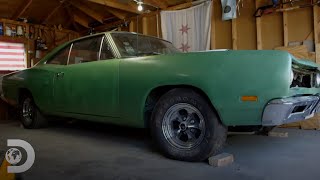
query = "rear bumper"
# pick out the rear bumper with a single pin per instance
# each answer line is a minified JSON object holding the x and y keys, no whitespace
{"x":292,"y":109}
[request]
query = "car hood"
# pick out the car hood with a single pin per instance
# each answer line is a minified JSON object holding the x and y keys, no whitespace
{"x":308,"y":64}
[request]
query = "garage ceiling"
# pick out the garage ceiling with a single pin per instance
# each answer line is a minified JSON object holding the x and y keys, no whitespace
{"x":78,"y":15}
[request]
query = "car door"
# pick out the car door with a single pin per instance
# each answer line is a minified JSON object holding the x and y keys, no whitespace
{"x":91,"y":83}
{"x":53,"y":69}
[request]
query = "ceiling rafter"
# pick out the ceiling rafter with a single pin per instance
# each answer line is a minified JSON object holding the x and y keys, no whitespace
{"x":81,"y":20}
{"x":53,"y":11}
{"x":157,"y":3}
{"x":87,"y":10}
{"x":117,"y":13}
{"x":23,"y":7}
{"x":116,"y":5}
{"x":70,"y":14}
{"x":133,"y":4}
{"x":105,"y":27}
{"x":181,"y":6}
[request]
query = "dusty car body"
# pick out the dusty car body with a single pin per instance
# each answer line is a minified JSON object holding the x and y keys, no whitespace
{"x":125,"y":87}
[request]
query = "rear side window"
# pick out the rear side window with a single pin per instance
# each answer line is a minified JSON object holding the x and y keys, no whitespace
{"x":61,"y":57}
{"x":86,"y":50}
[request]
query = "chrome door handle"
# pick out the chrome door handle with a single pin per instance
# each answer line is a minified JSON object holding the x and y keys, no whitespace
{"x":60,"y":74}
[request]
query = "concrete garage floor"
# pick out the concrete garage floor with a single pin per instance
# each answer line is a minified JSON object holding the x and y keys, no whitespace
{"x":96,"y":151}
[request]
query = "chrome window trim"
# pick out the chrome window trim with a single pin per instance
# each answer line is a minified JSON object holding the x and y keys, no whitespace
{"x":101,"y":43}
{"x":69,"y":54}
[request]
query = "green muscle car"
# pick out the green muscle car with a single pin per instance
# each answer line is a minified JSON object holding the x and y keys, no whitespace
{"x":187,"y":100}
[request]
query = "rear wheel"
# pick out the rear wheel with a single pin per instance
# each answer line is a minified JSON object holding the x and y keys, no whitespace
{"x":185,"y":127}
{"x":31,"y":117}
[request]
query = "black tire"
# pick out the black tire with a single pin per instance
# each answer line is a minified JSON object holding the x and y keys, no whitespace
{"x":35,"y":120}
{"x":214,"y":132}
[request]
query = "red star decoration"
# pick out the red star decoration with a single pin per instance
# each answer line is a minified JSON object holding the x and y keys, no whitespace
{"x":184,"y":29}
{"x":184,"y":47}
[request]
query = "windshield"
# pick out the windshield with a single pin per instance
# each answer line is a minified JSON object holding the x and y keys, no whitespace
{"x":132,"y":45}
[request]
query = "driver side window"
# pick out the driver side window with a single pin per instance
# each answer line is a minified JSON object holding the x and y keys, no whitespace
{"x":61,"y":57}
{"x":86,"y":50}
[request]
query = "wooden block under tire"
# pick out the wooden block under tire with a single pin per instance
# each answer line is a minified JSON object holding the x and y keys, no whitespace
{"x":221,"y":160}
{"x":278,"y":134}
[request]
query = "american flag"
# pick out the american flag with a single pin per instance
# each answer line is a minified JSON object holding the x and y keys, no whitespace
{"x":12,"y":56}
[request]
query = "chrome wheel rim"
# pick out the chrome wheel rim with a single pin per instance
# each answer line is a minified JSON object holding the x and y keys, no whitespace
{"x":183,"y":126}
{"x":27,"y":111}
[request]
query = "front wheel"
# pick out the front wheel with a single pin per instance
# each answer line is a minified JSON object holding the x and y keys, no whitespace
{"x":31,"y":117}
{"x":185,"y":127}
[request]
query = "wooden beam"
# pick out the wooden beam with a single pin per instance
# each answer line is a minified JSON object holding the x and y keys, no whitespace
{"x":186,"y":5}
{"x":105,"y":27}
{"x":87,"y":10}
{"x":80,"y":20}
{"x":144,"y":25}
{"x":131,"y":27}
{"x":259,"y":33}
{"x":316,"y":32}
{"x":117,"y":13}
{"x":259,"y":29}
{"x":53,"y":11}
{"x":72,"y":21}
{"x":285,"y":29}
{"x":117,"y":5}
{"x":21,"y":9}
{"x":316,"y":24}
{"x":234,"y":35}
{"x":180,"y":6}
{"x":156,"y":3}
{"x":159,"y":33}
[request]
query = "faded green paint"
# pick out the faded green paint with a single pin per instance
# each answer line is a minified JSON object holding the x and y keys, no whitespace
{"x":115,"y":90}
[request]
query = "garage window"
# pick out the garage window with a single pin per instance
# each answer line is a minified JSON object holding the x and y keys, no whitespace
{"x":12,"y":56}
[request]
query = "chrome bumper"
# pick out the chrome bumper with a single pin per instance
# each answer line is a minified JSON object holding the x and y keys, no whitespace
{"x":287,"y":110}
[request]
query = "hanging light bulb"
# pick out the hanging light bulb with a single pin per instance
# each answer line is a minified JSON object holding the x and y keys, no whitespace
{"x":140,"y":8}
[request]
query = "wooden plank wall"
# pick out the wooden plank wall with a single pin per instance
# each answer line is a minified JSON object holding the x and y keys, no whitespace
{"x":52,"y":36}
{"x":247,"y":32}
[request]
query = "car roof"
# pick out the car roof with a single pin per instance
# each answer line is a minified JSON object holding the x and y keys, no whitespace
{"x":111,"y":32}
